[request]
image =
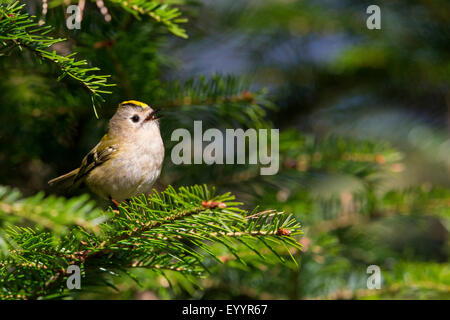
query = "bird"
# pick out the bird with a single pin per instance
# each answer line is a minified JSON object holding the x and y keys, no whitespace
{"x":128,"y":159}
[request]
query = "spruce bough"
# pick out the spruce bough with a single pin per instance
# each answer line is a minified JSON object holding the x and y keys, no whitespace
{"x":168,"y":231}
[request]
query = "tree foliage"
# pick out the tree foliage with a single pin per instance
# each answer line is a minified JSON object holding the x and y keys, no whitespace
{"x":363,"y":147}
{"x":168,"y":231}
{"x":18,"y":30}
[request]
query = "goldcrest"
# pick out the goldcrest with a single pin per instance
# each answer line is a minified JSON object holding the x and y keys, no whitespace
{"x":127,"y":160}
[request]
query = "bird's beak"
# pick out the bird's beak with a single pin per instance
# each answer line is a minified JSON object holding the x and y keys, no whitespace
{"x":153,"y":115}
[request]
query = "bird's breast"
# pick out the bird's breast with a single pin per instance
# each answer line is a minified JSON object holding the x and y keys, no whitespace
{"x":130,"y":172}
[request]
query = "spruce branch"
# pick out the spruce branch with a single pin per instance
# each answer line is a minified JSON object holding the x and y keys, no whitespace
{"x":227,"y":98}
{"x":52,"y":213}
{"x":168,"y":231}
{"x":206,"y":91}
{"x":20,"y":30}
{"x":160,"y":11}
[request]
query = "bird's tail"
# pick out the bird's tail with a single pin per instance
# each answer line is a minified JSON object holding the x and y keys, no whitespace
{"x":66,"y":179}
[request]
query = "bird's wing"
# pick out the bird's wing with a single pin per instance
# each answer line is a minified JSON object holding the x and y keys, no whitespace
{"x":98,"y":155}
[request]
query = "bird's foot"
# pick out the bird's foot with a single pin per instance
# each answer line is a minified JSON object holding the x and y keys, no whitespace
{"x":115,"y":202}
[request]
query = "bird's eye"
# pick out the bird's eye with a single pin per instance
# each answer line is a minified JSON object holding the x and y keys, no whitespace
{"x":135,"y":118}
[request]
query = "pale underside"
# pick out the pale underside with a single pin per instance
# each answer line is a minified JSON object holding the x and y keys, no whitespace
{"x":130,"y":173}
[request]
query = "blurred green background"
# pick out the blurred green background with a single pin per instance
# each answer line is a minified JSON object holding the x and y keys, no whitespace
{"x":364,"y":119}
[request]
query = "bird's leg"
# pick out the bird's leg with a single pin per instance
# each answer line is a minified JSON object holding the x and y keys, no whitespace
{"x":116,"y":203}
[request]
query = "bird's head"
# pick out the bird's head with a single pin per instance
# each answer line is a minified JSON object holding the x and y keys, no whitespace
{"x":134,"y":118}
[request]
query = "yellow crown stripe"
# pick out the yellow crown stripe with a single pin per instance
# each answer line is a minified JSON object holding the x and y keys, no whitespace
{"x":136,"y":103}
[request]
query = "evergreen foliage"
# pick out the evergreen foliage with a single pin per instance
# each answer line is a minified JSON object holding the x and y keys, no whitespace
{"x":18,"y":30}
{"x":364,"y":151}
{"x":161,"y":11}
{"x":171,"y":230}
